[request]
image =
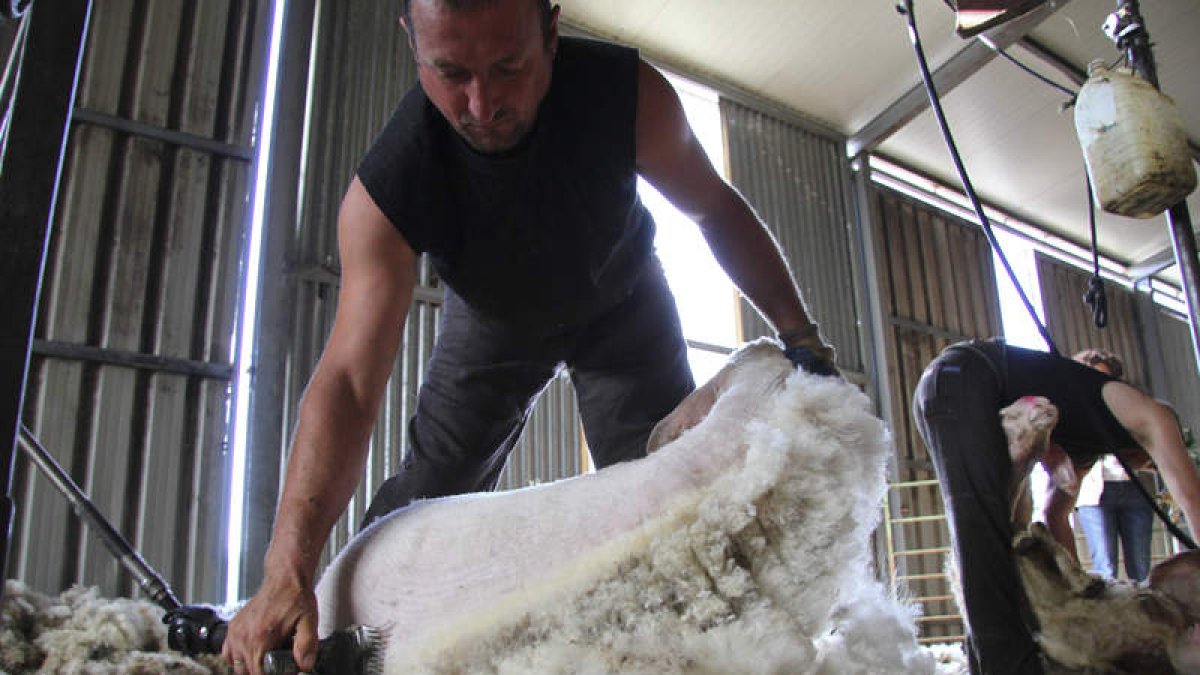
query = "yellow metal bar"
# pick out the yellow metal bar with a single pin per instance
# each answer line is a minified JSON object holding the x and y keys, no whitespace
{"x":939,"y":618}
{"x":922,"y":577}
{"x":924,"y":551}
{"x":913,"y":484}
{"x":919,"y":519}
{"x":939,"y":639}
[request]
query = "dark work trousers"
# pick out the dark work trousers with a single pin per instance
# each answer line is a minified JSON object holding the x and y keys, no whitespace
{"x":629,"y":368}
{"x":956,"y":407}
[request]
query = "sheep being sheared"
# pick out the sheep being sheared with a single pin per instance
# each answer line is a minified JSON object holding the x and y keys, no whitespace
{"x":739,"y":546}
{"x":1113,"y":627}
{"x":1087,"y":624}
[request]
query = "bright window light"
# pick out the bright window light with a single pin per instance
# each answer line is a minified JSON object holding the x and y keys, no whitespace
{"x":1019,"y":328}
{"x":703,"y":292}
{"x":249,"y":319}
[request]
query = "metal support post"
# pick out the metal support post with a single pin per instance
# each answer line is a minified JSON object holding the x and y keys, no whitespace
{"x":1127,"y":28}
{"x":29,"y":177}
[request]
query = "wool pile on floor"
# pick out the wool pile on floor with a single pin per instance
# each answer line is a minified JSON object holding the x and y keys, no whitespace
{"x":80,"y":633}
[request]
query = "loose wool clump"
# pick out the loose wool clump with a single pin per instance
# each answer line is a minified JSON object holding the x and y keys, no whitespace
{"x":754,"y":557}
{"x":80,"y":633}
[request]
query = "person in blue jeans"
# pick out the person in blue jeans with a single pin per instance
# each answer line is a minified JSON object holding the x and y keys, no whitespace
{"x":1116,"y":520}
{"x":1115,"y":517}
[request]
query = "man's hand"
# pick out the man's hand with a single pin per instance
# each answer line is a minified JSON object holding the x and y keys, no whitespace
{"x":806,"y":360}
{"x":279,"y":611}
{"x":807,"y":351}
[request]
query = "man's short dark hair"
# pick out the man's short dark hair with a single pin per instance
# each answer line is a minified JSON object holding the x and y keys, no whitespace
{"x":464,"y":5}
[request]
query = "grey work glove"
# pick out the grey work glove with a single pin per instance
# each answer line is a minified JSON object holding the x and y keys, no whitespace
{"x":807,"y":351}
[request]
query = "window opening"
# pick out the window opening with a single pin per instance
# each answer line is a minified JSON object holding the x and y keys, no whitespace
{"x":703,"y":292}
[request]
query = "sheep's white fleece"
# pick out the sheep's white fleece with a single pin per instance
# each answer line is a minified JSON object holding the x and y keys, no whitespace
{"x":765,"y":569}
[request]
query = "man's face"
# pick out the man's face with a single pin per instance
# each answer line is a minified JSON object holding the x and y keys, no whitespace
{"x":486,"y":69}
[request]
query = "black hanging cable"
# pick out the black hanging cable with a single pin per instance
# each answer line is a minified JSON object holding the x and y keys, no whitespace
{"x":907,"y":9}
{"x":1013,"y":60}
{"x":935,"y":102}
{"x":1095,"y":296}
{"x":8,"y":78}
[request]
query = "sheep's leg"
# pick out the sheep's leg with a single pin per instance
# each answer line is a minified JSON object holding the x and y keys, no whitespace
{"x":1178,"y":577}
{"x":1021,"y":500}
{"x":1028,"y":423}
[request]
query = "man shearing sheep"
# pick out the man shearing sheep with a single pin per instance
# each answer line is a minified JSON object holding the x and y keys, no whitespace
{"x":513,"y":166}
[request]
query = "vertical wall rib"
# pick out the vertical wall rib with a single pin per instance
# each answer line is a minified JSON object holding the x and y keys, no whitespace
{"x":936,"y":287}
{"x":143,"y":269}
{"x":1070,"y":322}
{"x":799,"y":183}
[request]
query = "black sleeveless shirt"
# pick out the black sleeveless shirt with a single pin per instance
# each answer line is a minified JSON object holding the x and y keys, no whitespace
{"x":545,"y":237}
{"x":1086,"y":427}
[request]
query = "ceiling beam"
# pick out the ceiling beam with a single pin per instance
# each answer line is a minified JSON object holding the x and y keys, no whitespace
{"x":1152,"y":264}
{"x":956,"y":70}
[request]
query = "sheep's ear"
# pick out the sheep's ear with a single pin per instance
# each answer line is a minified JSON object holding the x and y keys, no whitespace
{"x":1178,"y":578}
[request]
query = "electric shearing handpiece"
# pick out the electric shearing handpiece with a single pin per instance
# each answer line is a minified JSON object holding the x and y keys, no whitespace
{"x":198,"y":629}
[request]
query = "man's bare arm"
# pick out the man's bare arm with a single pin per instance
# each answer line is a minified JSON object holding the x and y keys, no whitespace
{"x":1154,"y":427}
{"x":672,"y":159}
{"x":329,"y":447}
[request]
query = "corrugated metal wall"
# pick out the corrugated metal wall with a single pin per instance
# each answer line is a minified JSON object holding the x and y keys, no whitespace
{"x":1070,"y":322}
{"x":361,"y":67}
{"x":798,"y":181}
{"x":1155,"y":343}
{"x":1182,"y":385}
{"x":129,"y":384}
{"x":936,"y":287}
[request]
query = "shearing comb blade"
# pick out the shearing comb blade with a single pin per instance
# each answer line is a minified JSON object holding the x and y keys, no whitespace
{"x":357,"y":650}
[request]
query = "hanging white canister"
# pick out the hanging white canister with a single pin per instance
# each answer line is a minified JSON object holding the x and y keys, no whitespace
{"x":1134,"y":143}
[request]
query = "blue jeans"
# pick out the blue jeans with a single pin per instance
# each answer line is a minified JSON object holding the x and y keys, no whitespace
{"x":1123,"y":515}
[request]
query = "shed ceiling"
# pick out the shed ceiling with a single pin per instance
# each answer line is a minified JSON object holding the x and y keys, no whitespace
{"x":847,"y":66}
